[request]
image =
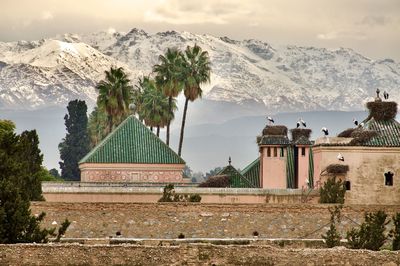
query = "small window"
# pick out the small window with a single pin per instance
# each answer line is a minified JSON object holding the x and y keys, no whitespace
{"x":275,"y":152}
{"x":282,"y":152}
{"x":268,"y":152}
{"x":389,"y":179}
{"x":347,"y":185}
{"x":303,"y":151}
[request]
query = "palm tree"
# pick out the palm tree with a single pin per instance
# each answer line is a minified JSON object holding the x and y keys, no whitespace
{"x":97,"y":126}
{"x":155,"y":105}
{"x":115,"y":94}
{"x":169,"y":78}
{"x":197,"y":70}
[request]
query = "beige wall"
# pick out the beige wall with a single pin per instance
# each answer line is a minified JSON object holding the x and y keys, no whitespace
{"x":273,"y":169}
{"x":92,"y":172}
{"x":367,"y":167}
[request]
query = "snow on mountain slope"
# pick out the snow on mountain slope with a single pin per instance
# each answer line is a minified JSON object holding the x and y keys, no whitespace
{"x":249,"y":72}
{"x":49,"y":73}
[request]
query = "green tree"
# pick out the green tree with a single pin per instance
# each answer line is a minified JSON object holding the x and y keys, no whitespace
{"x":54,"y":172}
{"x":154,"y":109}
{"x":332,"y":237}
{"x":395,"y":232}
{"x":76,"y":143}
{"x":115,"y":95}
{"x":371,"y":234}
{"x":169,"y":77}
{"x":197,"y":71}
{"x":97,"y":126}
{"x":332,"y":191}
{"x":19,"y":184}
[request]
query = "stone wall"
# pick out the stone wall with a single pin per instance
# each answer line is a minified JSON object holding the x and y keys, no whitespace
{"x":117,"y":192}
{"x":168,"y":220}
{"x":194,"y":254}
{"x":367,"y":166}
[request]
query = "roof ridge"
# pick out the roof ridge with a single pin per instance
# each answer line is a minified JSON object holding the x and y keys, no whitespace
{"x":250,"y":165}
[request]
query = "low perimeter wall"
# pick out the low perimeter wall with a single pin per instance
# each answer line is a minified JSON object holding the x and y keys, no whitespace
{"x":188,"y":255}
{"x":194,"y":220}
{"x":117,"y":192}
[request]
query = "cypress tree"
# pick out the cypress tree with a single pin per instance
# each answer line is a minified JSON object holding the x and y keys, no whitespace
{"x":76,"y":143}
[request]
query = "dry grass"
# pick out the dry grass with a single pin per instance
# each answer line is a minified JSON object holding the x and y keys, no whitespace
{"x":299,"y":132}
{"x":275,"y":130}
{"x":337,"y":169}
{"x":382,"y":110}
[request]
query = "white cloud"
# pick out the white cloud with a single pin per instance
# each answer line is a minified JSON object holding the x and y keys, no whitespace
{"x":342,"y":34}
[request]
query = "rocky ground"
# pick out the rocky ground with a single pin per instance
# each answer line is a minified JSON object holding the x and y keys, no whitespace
{"x":188,"y":254}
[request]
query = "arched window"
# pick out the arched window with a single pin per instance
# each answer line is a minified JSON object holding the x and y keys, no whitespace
{"x":347,"y":185}
{"x":389,"y":179}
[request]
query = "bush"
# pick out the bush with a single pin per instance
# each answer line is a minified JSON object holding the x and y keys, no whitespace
{"x":63,"y":228}
{"x":371,"y":234}
{"x":332,"y":191}
{"x":169,"y":195}
{"x":216,"y":181}
{"x":332,"y":237}
{"x":395,"y":232}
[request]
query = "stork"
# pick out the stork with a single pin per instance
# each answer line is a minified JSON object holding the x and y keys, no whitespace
{"x":340,"y":157}
{"x":270,"y":119}
{"x":325,"y":130}
{"x":298,"y":124}
{"x":385,"y":95}
{"x":355,"y":121}
{"x":303,"y":122}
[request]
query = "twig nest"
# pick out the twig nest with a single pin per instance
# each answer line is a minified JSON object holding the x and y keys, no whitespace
{"x":277,"y":130}
{"x":382,"y":110}
{"x":300,"y":132}
{"x":337,"y":169}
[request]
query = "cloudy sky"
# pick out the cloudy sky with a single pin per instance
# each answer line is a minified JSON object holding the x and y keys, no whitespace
{"x":371,"y":27}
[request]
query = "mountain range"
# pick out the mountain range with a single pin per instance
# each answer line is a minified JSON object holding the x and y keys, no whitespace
{"x":50,"y":72}
{"x":250,"y":79}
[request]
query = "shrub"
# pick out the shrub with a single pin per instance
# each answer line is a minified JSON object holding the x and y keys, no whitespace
{"x":395,"y":232}
{"x":371,"y":234}
{"x":332,"y":191}
{"x":63,"y":228}
{"x":169,"y":195}
{"x":216,"y":181}
{"x":332,"y":237}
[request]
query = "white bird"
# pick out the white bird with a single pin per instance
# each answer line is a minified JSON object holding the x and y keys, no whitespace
{"x":325,"y":130}
{"x":298,"y":124}
{"x":385,"y":95}
{"x":355,"y":121}
{"x":340,"y":157}
{"x":362,"y":124}
{"x":270,"y":119}
{"x":303,"y":122}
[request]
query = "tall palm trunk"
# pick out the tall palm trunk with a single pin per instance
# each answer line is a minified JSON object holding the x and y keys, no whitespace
{"x":158,"y":131}
{"x":169,"y":120}
{"x":183,"y":126}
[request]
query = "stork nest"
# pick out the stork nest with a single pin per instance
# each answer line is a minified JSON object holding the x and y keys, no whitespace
{"x":337,"y":169}
{"x":361,"y":137}
{"x":382,"y":110}
{"x":216,"y":181}
{"x":346,"y":133}
{"x":275,"y":130}
{"x":300,"y":132}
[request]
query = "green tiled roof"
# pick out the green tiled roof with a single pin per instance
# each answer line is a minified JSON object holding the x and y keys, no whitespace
{"x":252,"y":172}
{"x":274,"y":140}
{"x":302,"y":141}
{"x":236,"y":179}
{"x":388,"y":132}
{"x":132,"y":142}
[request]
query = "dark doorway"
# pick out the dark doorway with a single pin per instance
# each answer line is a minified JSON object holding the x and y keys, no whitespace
{"x":296,"y":167}
{"x":347,"y":185}
{"x":389,"y":179}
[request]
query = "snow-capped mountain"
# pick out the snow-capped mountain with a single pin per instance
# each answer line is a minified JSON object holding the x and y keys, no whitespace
{"x":250,"y":72}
